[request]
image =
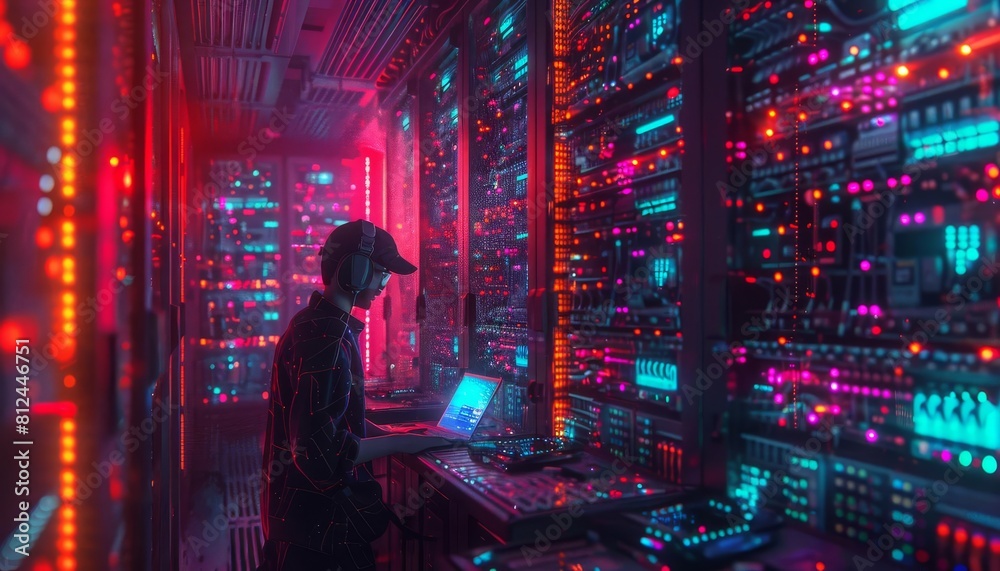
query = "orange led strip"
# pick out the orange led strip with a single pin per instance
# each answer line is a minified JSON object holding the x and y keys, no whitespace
{"x":561,"y":231}
{"x":66,"y":318}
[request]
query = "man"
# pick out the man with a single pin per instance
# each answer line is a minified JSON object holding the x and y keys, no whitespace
{"x":317,"y":441}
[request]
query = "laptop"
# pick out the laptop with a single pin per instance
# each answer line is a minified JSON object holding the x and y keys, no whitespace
{"x":465,"y":410}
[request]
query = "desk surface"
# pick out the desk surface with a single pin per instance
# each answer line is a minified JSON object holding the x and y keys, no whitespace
{"x":487,"y":495}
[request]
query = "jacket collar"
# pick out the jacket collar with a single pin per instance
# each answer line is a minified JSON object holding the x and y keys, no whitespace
{"x":319,"y":303}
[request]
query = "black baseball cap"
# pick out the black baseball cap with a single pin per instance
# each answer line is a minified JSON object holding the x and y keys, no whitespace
{"x":346,"y":239}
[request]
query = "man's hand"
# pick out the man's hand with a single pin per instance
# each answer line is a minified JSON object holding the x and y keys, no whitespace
{"x":417,"y":443}
{"x":375,"y":430}
{"x":379,"y":446}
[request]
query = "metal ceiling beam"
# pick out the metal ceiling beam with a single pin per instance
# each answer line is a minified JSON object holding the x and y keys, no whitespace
{"x":342,"y":83}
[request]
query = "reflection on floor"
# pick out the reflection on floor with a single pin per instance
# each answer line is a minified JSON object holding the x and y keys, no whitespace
{"x":241,"y":463}
{"x":221,"y":530}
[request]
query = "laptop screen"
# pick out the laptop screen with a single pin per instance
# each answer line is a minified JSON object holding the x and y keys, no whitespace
{"x":468,"y":405}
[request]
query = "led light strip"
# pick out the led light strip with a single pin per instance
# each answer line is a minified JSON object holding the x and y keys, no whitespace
{"x":368,"y":216}
{"x":561,"y":254}
{"x":66,"y":318}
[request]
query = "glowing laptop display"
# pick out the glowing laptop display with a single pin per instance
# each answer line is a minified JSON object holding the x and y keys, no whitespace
{"x":468,"y":404}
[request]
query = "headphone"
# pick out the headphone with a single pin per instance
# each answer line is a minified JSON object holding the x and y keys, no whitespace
{"x":355,"y":271}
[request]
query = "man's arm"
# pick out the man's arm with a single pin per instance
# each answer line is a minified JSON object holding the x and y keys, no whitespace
{"x":379,"y":446}
{"x":324,"y":454}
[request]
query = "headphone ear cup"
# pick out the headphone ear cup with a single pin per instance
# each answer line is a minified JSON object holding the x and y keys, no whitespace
{"x":356,"y":273}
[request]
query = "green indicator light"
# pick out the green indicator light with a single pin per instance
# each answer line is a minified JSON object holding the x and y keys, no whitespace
{"x":989,"y":464}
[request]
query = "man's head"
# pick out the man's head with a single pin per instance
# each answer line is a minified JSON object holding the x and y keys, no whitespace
{"x":357,"y":260}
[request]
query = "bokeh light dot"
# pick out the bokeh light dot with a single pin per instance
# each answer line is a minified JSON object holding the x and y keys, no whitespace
{"x":989,"y":464}
{"x":45,"y":206}
{"x":965,"y":458}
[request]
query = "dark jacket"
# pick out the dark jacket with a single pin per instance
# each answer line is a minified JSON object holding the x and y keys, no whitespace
{"x":317,"y":416}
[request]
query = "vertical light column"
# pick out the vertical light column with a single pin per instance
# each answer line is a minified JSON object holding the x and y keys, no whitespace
{"x":182,"y":220}
{"x":368,"y":216}
{"x":67,"y":325}
{"x":560,"y":219}
{"x":66,"y":543}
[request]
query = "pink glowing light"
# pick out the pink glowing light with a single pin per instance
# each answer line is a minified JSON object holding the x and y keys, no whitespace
{"x":919,"y":218}
{"x":813,"y":418}
{"x":982,"y":195}
{"x":866,"y":391}
{"x":835,"y":409}
{"x":779,"y":398}
{"x":853,"y":187}
{"x":835,"y":91}
{"x":865,"y":265}
{"x":862,"y":310}
{"x":904,"y":219}
{"x":868,"y":185}
{"x":905,"y":179}
{"x":886,"y":394}
{"x":835,"y":372}
{"x":871,"y":435}
{"x":855,"y":389}
{"x":946,"y":455}
{"x":621,"y":387}
{"x":813,"y":59}
{"x":891,"y":183}
{"x":834,"y":387}
{"x":875,"y":310}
